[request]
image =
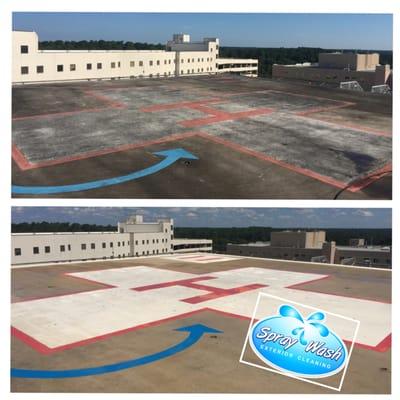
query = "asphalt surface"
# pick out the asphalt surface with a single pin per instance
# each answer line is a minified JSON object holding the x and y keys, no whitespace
{"x":254,"y":138}
{"x":211,"y":365}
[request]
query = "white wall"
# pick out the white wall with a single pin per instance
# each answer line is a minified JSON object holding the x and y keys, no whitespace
{"x":72,"y":243}
{"x":183,"y":59}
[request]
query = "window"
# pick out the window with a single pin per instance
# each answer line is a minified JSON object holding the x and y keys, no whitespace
{"x":47,"y":249}
{"x":60,"y":68}
{"x":119,"y":244}
{"x":169,"y":61}
{"x":132,"y":63}
{"x":24,"y":70}
{"x":140,"y":63}
{"x":158,"y":62}
{"x":165,"y":62}
{"x":24,"y":49}
{"x":182,"y":72}
{"x":83,"y":246}
{"x":136,"y":242}
{"x":147,"y":241}
{"x":88,"y":66}
{"x":113,"y":65}
{"x":92,"y":246}
{"x":99,"y":65}
{"x":142,"y":241}
{"x":39,"y":69}
{"x":36,"y":250}
{"x":151,"y":63}
{"x":69,"y":247}
{"x":119,"y":64}
{"x":188,"y":71}
{"x":192,"y":59}
{"x":72,"y":67}
{"x":188,"y":60}
{"x":62,"y":248}
{"x":123,"y":243}
{"x":17,"y":251}
{"x":111,"y":244}
{"x":182,"y":61}
{"x":103,"y":245}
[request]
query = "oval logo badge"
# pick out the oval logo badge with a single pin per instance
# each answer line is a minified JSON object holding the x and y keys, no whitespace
{"x":304,"y":347}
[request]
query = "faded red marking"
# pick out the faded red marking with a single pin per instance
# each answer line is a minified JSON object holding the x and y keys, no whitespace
{"x":20,"y":159}
{"x":370,"y":178}
{"x":262,"y":156}
{"x":225,"y":116}
{"x":24,"y":164}
{"x":178,"y":105}
{"x":358,"y":128}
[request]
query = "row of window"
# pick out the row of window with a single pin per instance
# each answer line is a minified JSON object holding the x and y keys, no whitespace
{"x":198,"y":60}
{"x":63,"y":248}
{"x":147,"y":253}
{"x":198,"y":70}
{"x":113,"y":65}
{"x":147,"y":241}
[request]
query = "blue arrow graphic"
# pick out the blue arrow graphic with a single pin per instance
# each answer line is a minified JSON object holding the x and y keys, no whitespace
{"x":195,"y":333}
{"x":170,"y":156}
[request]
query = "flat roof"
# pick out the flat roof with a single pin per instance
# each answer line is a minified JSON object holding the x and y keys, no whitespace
{"x":101,"y":313}
{"x":290,"y":140}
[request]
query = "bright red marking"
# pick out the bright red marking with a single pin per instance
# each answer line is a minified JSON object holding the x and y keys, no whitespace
{"x":383,"y":346}
{"x":181,"y":282}
{"x":214,"y":292}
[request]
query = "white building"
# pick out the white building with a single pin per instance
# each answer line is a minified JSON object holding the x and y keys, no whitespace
{"x":134,"y":238}
{"x":181,"y":57}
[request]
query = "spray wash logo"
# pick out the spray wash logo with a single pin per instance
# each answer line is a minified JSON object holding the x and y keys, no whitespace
{"x":301,"y":347}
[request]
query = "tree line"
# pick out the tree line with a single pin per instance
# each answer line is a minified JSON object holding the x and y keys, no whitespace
{"x":266,"y":56}
{"x":220,"y":236}
{"x":98,"y":45}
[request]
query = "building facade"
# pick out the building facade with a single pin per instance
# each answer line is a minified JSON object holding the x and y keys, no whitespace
{"x":181,"y":57}
{"x":338,"y":67}
{"x":313,"y":247}
{"x":134,"y":238}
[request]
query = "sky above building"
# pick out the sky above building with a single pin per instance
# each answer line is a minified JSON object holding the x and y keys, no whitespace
{"x":215,"y":217}
{"x":330,"y":31}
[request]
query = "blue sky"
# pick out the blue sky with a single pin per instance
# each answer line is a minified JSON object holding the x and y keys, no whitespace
{"x":340,"y":31}
{"x":216,"y":217}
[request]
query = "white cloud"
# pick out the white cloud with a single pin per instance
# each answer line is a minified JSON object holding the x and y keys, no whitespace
{"x":364,"y":213}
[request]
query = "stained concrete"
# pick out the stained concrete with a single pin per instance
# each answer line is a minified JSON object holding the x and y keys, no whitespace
{"x":77,"y":119}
